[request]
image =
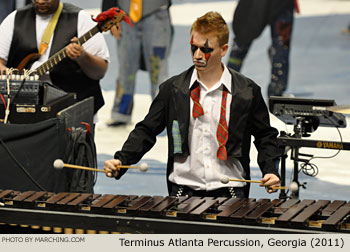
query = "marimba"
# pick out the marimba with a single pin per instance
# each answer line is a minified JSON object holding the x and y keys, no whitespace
{"x":91,"y":213}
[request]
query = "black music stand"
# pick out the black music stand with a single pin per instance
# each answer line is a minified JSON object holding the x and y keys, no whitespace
{"x":306,"y":115}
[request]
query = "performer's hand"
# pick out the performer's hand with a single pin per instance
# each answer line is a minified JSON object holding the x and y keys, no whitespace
{"x":270,"y":180}
{"x":74,"y":50}
{"x":2,"y":65}
{"x":111,"y":167}
{"x":116,"y":31}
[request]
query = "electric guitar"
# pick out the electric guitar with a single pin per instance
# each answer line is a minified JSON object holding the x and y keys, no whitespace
{"x":106,"y":20}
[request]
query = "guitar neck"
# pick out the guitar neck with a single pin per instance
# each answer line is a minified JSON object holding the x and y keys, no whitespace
{"x":61,"y":54}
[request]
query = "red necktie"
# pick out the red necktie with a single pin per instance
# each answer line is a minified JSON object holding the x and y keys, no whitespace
{"x":222,"y":132}
{"x":197,"y":107}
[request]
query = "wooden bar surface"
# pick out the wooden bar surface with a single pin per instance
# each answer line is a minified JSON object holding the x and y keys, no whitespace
{"x":189,"y":205}
{"x":137,"y":203}
{"x":56,"y":198}
{"x":285,"y":206}
{"x":80,"y":199}
{"x":151,"y":203}
{"x":331,"y":208}
{"x":334,"y":220}
{"x":293,"y":211}
{"x":70,"y":197}
{"x":116,"y":201}
{"x":245,"y":210}
{"x":227,"y":210}
{"x":101,"y":201}
{"x":302,"y":218}
{"x":164,"y":204}
{"x":5,"y":193}
{"x":23,"y":195}
{"x":208,"y":203}
{"x":36,"y":196}
{"x":259,"y":211}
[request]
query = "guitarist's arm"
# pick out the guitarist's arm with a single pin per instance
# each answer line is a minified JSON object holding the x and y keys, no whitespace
{"x":93,"y":66}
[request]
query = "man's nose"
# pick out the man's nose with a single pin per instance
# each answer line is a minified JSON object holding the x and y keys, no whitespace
{"x":197,"y":53}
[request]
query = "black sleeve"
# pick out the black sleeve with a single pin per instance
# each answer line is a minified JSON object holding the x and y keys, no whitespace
{"x":143,"y":136}
{"x":265,"y":136}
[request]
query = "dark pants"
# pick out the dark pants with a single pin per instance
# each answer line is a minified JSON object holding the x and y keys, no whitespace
{"x":281,"y":32}
{"x":229,"y":192}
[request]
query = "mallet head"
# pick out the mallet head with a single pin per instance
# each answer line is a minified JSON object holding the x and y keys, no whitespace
{"x":225,"y":179}
{"x":143,"y":167}
{"x":58,"y":164}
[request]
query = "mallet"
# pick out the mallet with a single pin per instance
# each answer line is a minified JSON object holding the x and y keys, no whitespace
{"x":59,"y":164}
{"x":293,"y":186}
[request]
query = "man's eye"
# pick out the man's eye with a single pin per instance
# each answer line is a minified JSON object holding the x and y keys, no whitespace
{"x":207,"y":49}
{"x":194,"y":48}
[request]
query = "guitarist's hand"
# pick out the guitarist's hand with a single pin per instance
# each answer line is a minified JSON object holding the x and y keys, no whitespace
{"x":2,"y":65}
{"x":93,"y":66}
{"x":74,"y":50}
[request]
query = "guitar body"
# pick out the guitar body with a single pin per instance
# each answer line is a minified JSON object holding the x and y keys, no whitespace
{"x":28,"y":59}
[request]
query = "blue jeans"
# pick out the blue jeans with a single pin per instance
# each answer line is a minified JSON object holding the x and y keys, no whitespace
{"x":150,"y":38}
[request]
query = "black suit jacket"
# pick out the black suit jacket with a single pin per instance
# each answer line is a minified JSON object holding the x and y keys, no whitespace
{"x":248,"y":117}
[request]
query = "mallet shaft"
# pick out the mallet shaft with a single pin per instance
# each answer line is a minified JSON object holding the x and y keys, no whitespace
{"x":246,"y":180}
{"x":258,"y":181}
{"x":82,"y":167}
{"x":98,"y":170}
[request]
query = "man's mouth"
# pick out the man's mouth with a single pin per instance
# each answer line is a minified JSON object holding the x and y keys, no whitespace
{"x":42,"y":8}
{"x":200,"y":63}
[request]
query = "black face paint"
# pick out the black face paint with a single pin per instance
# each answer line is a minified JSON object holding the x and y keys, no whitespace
{"x":206,"y":44}
{"x":203,"y":49}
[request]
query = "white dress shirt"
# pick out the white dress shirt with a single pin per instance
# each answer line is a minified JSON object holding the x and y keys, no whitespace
{"x":202,"y":170}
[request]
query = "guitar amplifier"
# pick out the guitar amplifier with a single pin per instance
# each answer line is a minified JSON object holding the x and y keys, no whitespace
{"x":32,"y":113}
{"x":30,"y":92}
{"x":33,"y":92}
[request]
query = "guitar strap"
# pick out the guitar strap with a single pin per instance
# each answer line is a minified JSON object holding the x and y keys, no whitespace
{"x":45,"y":40}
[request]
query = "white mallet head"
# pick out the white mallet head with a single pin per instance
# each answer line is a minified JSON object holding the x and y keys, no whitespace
{"x":225,"y":179}
{"x":58,"y":164}
{"x":143,"y":167}
{"x":293,"y":187}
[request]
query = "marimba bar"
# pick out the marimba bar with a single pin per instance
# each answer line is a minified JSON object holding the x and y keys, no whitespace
{"x":157,"y":214}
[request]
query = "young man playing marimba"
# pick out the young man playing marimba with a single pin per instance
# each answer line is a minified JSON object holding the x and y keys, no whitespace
{"x":210,"y":113}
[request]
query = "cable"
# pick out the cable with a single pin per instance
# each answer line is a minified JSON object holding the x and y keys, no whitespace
{"x":7,"y":111}
{"x":3,"y":100}
{"x":9,"y":71}
{"x":311,"y":169}
{"x":81,"y":151}
{"x":26,"y":75}
{"x":19,"y":164}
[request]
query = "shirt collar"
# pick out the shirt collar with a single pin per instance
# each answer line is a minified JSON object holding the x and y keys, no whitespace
{"x":225,"y":79}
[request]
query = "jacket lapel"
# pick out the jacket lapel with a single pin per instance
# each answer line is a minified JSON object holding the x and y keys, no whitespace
{"x":182,"y":105}
{"x":239,"y":113}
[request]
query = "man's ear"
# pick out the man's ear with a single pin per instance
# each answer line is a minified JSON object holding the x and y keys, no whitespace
{"x":224,"y":50}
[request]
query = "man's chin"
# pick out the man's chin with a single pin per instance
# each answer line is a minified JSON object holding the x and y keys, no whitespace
{"x":43,"y":11}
